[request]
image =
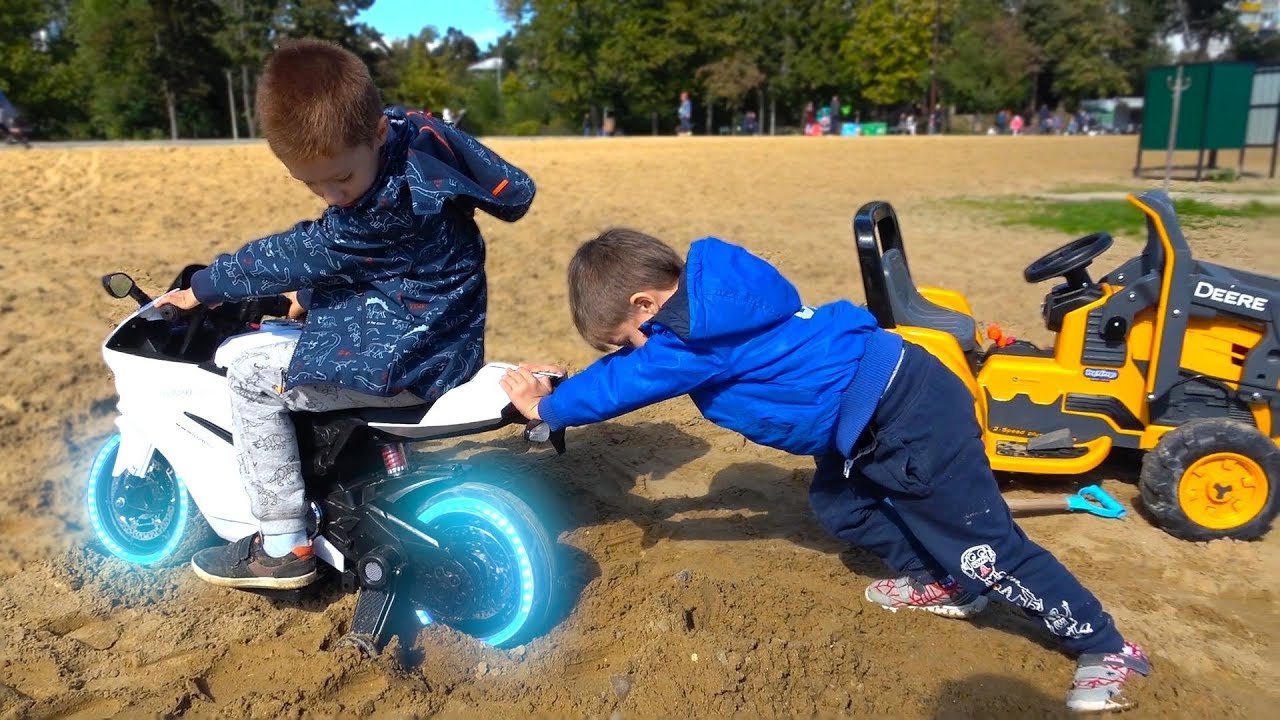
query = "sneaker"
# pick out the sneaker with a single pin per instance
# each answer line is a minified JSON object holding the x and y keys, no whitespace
{"x":948,"y":600}
{"x":1101,"y":676}
{"x":244,"y":564}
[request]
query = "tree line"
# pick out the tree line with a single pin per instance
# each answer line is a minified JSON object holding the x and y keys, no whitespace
{"x":187,"y":68}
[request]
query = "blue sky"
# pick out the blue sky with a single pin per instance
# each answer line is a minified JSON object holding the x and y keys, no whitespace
{"x":402,"y":18}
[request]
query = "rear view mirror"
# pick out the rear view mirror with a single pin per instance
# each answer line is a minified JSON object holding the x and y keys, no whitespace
{"x":118,"y":285}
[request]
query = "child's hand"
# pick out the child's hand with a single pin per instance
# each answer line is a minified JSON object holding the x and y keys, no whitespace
{"x":181,"y":299}
{"x":296,"y":311}
{"x":525,"y":390}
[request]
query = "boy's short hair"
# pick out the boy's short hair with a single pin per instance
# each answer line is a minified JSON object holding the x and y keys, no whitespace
{"x":315,"y":100}
{"x":605,"y":272}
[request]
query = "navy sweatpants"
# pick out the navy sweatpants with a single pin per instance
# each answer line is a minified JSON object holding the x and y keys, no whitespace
{"x":920,"y":494}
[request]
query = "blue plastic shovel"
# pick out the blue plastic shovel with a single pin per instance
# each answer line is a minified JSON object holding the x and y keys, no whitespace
{"x":1091,"y":499}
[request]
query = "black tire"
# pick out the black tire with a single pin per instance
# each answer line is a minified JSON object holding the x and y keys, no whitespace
{"x":1164,"y":470}
{"x":177,"y":534}
{"x":472,"y":513}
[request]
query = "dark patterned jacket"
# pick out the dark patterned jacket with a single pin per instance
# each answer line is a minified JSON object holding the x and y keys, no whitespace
{"x":394,"y":285}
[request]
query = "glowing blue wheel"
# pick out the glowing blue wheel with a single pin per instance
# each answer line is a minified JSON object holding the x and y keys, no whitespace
{"x":505,"y":591}
{"x":147,"y":520}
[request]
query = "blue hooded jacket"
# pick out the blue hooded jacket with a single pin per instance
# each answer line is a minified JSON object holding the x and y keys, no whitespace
{"x":394,"y":286}
{"x":753,"y":358}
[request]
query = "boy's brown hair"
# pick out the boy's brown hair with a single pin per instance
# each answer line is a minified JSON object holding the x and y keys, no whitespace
{"x":607,"y":271}
{"x":315,"y":100}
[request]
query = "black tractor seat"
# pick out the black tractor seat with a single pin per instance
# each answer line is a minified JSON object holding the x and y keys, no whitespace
{"x":911,"y":308}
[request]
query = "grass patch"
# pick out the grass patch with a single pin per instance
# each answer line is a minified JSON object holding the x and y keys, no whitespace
{"x":1118,"y":217}
{"x":1206,"y":187}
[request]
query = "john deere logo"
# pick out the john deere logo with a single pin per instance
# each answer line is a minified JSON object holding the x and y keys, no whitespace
{"x":1101,"y":374}
{"x":1230,"y":297}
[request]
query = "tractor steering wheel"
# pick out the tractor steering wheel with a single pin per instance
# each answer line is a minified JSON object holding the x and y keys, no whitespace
{"x":1069,"y":261}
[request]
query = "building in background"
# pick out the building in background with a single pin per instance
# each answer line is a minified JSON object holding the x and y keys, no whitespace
{"x":1260,"y":15}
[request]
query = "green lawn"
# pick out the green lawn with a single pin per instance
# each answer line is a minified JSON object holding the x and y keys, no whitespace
{"x":1118,"y":217}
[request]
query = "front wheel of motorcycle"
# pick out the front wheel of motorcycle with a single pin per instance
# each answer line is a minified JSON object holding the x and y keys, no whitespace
{"x":508,"y":557}
{"x":147,"y":520}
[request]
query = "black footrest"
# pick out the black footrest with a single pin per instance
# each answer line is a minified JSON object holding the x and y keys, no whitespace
{"x":372,"y":619}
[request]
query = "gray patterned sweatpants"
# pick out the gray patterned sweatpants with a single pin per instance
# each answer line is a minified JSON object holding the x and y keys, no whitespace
{"x":265,"y":442}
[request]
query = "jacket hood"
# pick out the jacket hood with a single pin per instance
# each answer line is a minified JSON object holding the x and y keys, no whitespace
{"x":726,"y":290}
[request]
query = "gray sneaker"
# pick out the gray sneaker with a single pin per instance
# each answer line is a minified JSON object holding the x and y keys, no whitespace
{"x":949,"y":600}
{"x":244,"y":564}
{"x":1100,"y":678}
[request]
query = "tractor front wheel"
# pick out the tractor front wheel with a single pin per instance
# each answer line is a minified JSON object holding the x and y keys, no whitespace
{"x":1211,"y":479}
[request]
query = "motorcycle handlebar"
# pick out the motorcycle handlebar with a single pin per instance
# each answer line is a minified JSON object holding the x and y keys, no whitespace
{"x":275,"y":305}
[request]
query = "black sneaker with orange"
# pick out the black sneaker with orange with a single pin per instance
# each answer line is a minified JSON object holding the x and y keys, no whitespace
{"x":244,"y":564}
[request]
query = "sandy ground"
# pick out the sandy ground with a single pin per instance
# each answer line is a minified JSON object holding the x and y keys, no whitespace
{"x":704,"y":587}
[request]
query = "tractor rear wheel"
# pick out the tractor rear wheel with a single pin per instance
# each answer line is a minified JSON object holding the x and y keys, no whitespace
{"x":1211,"y":479}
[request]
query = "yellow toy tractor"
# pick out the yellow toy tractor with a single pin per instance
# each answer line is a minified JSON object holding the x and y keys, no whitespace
{"x":1164,"y":354}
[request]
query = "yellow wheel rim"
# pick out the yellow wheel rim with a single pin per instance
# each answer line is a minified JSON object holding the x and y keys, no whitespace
{"x":1223,"y":490}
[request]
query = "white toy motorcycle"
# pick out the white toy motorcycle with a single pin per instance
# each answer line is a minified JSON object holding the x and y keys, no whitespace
{"x":419,"y":544}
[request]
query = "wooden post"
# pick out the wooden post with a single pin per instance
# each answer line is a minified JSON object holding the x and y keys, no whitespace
{"x":1177,"y":89}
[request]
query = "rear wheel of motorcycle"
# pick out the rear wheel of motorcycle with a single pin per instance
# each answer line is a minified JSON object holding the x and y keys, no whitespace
{"x":509,"y":555}
{"x":148,"y":520}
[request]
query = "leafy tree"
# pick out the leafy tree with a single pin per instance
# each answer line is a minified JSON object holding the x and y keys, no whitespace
{"x":1203,"y":21}
{"x":414,"y":77}
{"x":20,"y":56}
{"x":150,"y":63}
{"x":1147,"y":24}
{"x":114,"y":52}
{"x":245,"y":38}
{"x":1088,"y":35}
{"x":456,"y":50}
{"x":126,"y":68}
{"x":332,"y":20}
{"x":37,"y":76}
{"x":801,"y":50}
{"x":651,"y":56}
{"x":1261,"y":48}
{"x":891,"y":45}
{"x":562,"y":42}
{"x":186,"y":60}
{"x":989,"y":61}
{"x":1079,"y":42}
{"x":731,"y":78}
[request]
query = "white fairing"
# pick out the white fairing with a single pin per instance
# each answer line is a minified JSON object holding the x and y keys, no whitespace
{"x":476,"y":404}
{"x":156,"y":395}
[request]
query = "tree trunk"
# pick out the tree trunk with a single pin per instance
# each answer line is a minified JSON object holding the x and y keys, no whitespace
{"x":172,"y":103}
{"x":709,"y":116}
{"x":773,"y":115}
{"x":653,"y":117}
{"x":1186,"y":29}
{"x":231,"y":99}
{"x":933,"y":62}
{"x":249,"y":119}
{"x":244,"y":72}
